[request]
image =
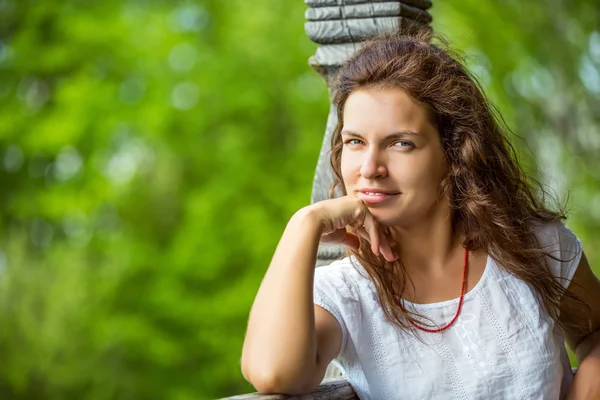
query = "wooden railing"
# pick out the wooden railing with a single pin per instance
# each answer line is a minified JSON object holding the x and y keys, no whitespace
{"x":335,"y":389}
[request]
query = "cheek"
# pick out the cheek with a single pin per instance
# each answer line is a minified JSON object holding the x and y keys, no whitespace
{"x":423,"y":174}
{"x":348,"y":167}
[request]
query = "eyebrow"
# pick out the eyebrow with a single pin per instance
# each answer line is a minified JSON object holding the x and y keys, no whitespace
{"x":391,"y":136}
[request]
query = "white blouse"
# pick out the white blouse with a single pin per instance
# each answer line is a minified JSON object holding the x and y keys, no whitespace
{"x":502,"y":346}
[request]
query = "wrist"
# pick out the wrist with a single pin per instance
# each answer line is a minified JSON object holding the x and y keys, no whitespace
{"x":309,"y":215}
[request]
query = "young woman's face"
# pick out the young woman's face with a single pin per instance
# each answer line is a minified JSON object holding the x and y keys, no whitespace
{"x":392,"y":156}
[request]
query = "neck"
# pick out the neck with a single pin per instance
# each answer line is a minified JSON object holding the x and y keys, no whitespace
{"x":430,"y":246}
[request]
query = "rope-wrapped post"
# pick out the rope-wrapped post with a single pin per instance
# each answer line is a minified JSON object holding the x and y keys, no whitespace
{"x":339,"y":26}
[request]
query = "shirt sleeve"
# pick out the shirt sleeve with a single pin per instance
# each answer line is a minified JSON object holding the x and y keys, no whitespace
{"x":331,"y":289}
{"x":560,"y":242}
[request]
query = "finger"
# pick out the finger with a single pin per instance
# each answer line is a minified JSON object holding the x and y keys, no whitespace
{"x":384,"y":248}
{"x":359,"y":215}
{"x":384,"y":245}
{"x":362,"y":233}
{"x":387,"y":251}
{"x":373,"y":231}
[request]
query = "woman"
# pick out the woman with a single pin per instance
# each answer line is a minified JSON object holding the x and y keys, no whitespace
{"x":461,"y":283}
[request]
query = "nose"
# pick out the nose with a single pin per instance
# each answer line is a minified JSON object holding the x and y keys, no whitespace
{"x":373,"y":165}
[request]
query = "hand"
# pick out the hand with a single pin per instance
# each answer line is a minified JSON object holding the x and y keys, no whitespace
{"x":335,"y":215}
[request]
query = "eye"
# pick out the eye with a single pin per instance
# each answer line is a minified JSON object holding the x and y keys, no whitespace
{"x":353,"y":142}
{"x":403,"y":144}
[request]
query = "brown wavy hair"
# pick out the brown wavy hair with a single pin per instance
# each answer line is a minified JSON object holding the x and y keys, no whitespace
{"x":494,"y":204}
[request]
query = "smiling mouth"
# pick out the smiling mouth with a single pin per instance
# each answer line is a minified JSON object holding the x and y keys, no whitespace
{"x":375,"y":197}
{"x":377,"y":193}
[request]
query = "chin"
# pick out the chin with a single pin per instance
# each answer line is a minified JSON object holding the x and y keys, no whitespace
{"x":387,"y":219}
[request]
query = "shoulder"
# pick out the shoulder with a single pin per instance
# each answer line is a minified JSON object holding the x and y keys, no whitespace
{"x":343,"y":283}
{"x":342,"y":275}
{"x":557,"y":239}
{"x":553,"y":233}
{"x":562,"y":247}
{"x":336,"y":290}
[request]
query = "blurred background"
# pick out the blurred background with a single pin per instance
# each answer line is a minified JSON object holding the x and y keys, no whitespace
{"x":151,"y":153}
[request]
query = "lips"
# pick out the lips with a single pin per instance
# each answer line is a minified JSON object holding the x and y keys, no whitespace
{"x":375,"y":196}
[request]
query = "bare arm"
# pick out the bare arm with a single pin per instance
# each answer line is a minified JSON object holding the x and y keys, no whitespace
{"x":290,"y":341}
{"x":280,"y":349}
{"x":586,"y":286}
{"x":585,"y":343}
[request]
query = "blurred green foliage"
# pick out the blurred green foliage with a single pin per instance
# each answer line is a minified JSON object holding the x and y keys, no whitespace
{"x":151,"y":153}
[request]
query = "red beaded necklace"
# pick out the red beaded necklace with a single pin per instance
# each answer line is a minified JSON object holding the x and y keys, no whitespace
{"x":460,"y":301}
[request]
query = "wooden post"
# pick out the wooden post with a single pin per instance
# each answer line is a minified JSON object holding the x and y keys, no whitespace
{"x":339,"y":26}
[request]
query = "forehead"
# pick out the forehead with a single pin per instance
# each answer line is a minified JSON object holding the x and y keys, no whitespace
{"x":381,"y":111}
